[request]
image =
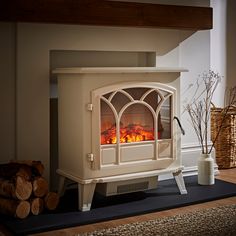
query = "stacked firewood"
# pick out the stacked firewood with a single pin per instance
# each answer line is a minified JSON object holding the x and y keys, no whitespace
{"x":23,"y":189}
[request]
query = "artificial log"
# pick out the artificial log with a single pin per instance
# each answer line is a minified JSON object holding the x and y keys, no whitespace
{"x":40,"y":187}
{"x":36,"y":206}
{"x":19,"y":209}
{"x":20,"y":189}
{"x":51,"y":201}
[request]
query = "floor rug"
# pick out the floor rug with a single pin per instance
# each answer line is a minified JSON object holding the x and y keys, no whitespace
{"x":166,"y":196}
{"x":217,"y":221}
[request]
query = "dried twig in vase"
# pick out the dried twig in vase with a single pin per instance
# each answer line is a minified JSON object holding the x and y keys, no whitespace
{"x":199,"y":109}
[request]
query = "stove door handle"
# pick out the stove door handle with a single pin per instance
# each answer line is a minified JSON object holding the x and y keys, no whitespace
{"x":180,"y":126}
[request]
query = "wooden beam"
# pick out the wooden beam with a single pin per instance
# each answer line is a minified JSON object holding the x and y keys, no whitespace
{"x":106,"y":13}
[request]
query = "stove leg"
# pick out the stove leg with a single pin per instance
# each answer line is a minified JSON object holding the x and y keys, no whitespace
{"x":86,"y":192}
{"x":61,"y":186}
{"x":180,"y":182}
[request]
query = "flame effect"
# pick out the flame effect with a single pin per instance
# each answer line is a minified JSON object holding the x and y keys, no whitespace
{"x":128,"y":134}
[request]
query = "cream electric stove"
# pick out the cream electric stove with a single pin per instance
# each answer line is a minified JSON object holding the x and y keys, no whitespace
{"x":117,"y":131}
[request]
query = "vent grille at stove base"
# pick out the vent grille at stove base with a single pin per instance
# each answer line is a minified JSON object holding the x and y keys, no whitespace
{"x":126,"y":186}
{"x":132,"y":187}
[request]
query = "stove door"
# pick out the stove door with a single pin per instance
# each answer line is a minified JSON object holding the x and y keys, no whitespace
{"x":133,"y":123}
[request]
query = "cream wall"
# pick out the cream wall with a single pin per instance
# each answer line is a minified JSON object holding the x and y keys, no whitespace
{"x":34,"y":42}
{"x":7,"y":91}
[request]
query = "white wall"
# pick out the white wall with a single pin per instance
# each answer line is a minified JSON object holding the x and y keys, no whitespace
{"x":231,"y":45}
{"x":195,"y":55}
{"x":218,"y":47}
{"x":223,"y":47}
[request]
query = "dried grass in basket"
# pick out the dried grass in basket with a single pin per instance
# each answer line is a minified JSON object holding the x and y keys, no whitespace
{"x":225,"y":143}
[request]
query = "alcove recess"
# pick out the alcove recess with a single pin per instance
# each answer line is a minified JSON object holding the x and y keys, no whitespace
{"x":70,"y":58}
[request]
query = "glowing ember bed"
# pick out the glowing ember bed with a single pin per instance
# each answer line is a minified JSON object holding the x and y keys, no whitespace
{"x":116,"y":129}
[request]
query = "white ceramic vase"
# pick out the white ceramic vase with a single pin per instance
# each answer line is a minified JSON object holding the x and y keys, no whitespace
{"x":206,"y":170}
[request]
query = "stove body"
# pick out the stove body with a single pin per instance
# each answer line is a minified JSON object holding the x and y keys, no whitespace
{"x":117,"y":131}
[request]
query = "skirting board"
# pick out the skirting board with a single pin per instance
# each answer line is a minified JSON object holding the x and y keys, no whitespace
{"x":190,"y":154}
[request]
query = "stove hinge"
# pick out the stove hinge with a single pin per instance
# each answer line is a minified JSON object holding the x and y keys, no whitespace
{"x":90,"y":158}
{"x":89,"y":106}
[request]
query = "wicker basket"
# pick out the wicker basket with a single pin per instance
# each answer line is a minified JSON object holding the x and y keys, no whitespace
{"x":225,"y":145}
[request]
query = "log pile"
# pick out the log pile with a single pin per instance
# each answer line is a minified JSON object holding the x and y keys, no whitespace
{"x":23,"y":189}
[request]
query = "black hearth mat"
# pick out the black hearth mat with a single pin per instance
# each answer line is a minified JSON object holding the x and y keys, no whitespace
{"x":166,"y":196}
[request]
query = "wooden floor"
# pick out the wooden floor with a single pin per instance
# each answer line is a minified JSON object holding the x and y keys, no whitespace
{"x":227,"y":175}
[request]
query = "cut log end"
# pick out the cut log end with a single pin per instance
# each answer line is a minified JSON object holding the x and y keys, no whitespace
{"x":23,"y":188}
{"x":40,"y":187}
{"x":37,"y":206}
{"x":16,"y":208}
{"x":20,"y":188}
{"x":22,"y":210}
{"x":51,"y":201}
